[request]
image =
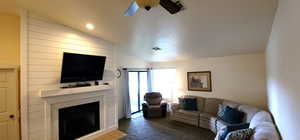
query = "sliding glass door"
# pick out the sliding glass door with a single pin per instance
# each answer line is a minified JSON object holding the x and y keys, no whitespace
{"x":138,"y":86}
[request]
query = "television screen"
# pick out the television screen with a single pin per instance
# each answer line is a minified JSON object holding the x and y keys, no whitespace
{"x":80,"y":68}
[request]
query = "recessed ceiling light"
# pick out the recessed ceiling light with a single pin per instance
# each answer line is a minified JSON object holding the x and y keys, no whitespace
{"x":89,"y":26}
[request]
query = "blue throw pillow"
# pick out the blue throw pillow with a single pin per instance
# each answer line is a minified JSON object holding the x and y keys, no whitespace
{"x":232,"y":115}
{"x":189,"y":104}
{"x":232,"y":128}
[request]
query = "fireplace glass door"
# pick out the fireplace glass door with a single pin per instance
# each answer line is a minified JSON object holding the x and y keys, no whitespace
{"x":78,"y":121}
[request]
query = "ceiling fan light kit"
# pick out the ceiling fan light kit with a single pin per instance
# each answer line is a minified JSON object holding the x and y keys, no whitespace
{"x":147,"y":4}
{"x":171,"y":6}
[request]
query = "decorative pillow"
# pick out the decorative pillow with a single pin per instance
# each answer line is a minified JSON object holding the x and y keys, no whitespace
{"x":232,"y":128}
{"x":232,"y":115}
{"x":221,"y":110}
{"x":188,"y":103}
{"x":181,"y":102}
{"x":243,"y":134}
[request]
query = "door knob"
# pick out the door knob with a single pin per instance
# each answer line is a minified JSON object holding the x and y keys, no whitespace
{"x":11,"y":116}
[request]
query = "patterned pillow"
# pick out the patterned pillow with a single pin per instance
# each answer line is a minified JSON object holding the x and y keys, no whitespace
{"x":221,"y":110}
{"x":233,"y":127}
{"x":242,"y":134}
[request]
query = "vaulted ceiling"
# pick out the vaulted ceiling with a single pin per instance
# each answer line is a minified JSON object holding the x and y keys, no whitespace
{"x":206,"y":28}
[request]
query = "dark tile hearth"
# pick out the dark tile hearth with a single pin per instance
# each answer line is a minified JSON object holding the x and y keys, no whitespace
{"x":139,"y":128}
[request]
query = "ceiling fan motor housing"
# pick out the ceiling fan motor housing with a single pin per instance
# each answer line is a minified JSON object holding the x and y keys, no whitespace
{"x":148,"y":8}
{"x":147,"y":4}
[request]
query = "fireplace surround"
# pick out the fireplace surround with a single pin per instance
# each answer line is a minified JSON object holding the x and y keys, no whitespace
{"x":57,"y":100}
{"x":79,"y":120}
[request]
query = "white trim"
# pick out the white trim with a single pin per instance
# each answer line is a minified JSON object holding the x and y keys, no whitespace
{"x":69,"y":100}
{"x":4,"y":66}
{"x":46,"y":93}
{"x":24,"y":73}
{"x":159,"y":68}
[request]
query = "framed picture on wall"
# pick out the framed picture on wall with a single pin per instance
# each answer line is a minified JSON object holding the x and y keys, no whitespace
{"x":199,"y":81}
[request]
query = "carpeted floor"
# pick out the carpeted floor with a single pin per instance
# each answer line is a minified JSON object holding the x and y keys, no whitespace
{"x":139,"y":128}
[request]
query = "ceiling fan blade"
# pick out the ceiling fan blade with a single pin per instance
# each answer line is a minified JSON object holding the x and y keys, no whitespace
{"x":132,"y":9}
{"x":170,"y":6}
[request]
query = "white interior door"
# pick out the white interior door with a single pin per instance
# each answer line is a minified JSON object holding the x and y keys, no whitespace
{"x":9,"y":107}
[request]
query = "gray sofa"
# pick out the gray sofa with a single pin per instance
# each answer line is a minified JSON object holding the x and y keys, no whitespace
{"x":260,"y":120}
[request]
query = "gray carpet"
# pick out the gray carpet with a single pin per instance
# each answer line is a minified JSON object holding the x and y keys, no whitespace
{"x":161,"y":129}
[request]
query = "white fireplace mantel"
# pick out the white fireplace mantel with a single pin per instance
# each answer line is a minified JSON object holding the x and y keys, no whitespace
{"x":45,"y":93}
{"x":56,"y":98}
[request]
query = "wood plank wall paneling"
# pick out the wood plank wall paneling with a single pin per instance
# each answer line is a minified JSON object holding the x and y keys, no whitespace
{"x":46,"y":43}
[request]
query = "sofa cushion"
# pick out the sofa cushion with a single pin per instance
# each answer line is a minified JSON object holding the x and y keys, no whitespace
{"x":232,"y":115}
{"x":249,"y":112}
{"x":207,"y":121}
{"x":261,"y":116}
{"x":154,"y":106}
{"x":211,"y":105}
{"x":189,"y":117}
{"x":191,"y":113}
{"x":200,"y":103}
{"x":175,"y":106}
{"x":232,"y":128}
{"x":265,"y":131}
{"x":243,"y":134}
{"x":210,"y":122}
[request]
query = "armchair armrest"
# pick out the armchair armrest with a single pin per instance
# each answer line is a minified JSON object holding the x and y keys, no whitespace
{"x":145,"y":104}
{"x":163,"y":103}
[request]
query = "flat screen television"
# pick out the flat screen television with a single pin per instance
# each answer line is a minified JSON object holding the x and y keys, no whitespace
{"x":82,"y":68}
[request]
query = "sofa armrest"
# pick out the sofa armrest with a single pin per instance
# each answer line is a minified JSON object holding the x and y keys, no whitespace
{"x":175,"y":106}
{"x":221,"y":131}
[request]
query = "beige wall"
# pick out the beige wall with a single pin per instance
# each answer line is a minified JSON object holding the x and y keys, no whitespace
{"x":239,"y":78}
{"x":125,"y":60}
{"x":9,"y":39}
{"x":283,"y":69}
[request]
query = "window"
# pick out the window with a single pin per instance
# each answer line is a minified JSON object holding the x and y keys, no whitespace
{"x":138,"y":86}
{"x":163,"y":81}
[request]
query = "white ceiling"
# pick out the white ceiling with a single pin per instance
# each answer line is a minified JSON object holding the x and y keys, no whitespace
{"x":206,"y":28}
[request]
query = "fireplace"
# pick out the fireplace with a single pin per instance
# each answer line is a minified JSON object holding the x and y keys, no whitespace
{"x":77,"y":121}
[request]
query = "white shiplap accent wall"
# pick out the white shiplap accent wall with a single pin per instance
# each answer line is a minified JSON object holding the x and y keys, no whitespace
{"x":47,"y":41}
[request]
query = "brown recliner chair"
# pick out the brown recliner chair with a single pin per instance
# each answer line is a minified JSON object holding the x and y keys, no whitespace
{"x":153,"y":105}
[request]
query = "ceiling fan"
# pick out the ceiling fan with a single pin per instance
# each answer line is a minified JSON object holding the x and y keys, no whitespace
{"x":171,"y":6}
